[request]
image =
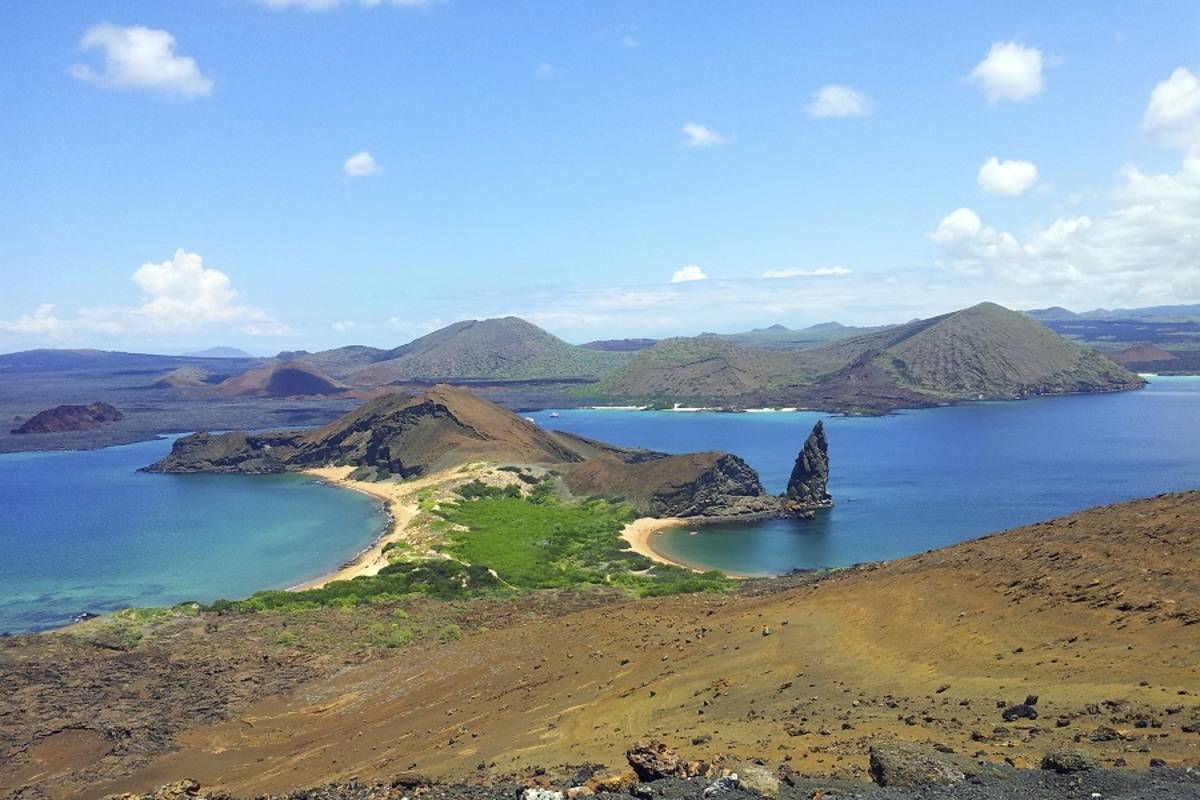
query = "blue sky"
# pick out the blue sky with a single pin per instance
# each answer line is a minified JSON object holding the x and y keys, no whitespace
{"x":179,"y":173}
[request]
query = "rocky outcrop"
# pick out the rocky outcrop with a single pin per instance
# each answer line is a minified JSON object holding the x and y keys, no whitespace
{"x":697,"y":485}
{"x":245,"y":453}
{"x":806,"y":489}
{"x":70,"y":418}
{"x":912,"y":766}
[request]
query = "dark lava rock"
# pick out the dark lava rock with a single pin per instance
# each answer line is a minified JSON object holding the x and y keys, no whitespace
{"x":1019,"y":711}
{"x":1067,"y":761}
{"x":806,"y":489}
{"x":912,"y":766}
{"x":70,"y":418}
{"x":653,"y":760}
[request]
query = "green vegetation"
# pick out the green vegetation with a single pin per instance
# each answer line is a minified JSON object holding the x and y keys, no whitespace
{"x":499,"y":542}
{"x":542,"y":543}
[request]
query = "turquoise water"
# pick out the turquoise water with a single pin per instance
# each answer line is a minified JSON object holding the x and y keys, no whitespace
{"x":84,"y":531}
{"x":924,"y":479}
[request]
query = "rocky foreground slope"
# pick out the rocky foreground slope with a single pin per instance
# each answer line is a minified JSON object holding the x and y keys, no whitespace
{"x":989,"y":667}
{"x":408,"y":436}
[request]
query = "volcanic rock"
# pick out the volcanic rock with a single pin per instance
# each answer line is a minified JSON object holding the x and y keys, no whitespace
{"x":911,"y":766}
{"x":806,"y":489}
{"x":70,"y":418}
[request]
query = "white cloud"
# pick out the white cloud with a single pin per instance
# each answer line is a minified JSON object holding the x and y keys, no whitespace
{"x":805,"y":273}
{"x":697,"y":135}
{"x":1173,"y":115}
{"x":1007,"y":178}
{"x":688,"y":274}
{"x":182,"y":293}
{"x":344,"y":325}
{"x":43,"y":322}
{"x":1011,"y":71}
{"x":179,"y":295}
{"x":360,"y":165}
{"x":1144,"y":249}
{"x":329,"y":5}
{"x":836,"y":100}
{"x":545,"y":70}
{"x":141,"y":58}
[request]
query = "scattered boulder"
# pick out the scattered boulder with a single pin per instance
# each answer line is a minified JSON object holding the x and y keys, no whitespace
{"x":538,"y":793}
{"x":726,"y":784}
{"x":1019,"y":711}
{"x":757,"y":778}
{"x":912,"y":766}
{"x":1065,"y":762}
{"x":806,"y":489}
{"x":652,"y":760}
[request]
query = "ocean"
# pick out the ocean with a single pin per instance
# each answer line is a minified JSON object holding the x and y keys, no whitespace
{"x":85,"y":531}
{"x":922,"y":479}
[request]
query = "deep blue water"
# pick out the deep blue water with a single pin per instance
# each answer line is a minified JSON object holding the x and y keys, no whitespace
{"x":923,"y":479}
{"x":84,"y":531}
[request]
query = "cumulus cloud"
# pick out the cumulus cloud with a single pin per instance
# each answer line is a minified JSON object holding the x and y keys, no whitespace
{"x":329,"y":5}
{"x":42,"y":321}
{"x":836,"y":100}
{"x":696,"y":135}
{"x":137,"y":58}
{"x":178,"y":295}
{"x":182,"y":293}
{"x":1173,"y":116}
{"x":1144,"y":249}
{"x":1007,"y":178}
{"x":687,"y":274}
{"x":805,"y":273}
{"x":1011,"y":71}
{"x":360,"y":165}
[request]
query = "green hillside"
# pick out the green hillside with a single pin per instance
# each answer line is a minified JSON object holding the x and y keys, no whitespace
{"x":494,"y":349}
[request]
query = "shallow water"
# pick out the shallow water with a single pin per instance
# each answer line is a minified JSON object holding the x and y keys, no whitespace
{"x":85,"y":531}
{"x":923,"y":479}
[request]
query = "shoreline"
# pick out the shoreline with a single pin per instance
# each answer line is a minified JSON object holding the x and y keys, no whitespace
{"x":640,"y":533}
{"x":372,"y":558}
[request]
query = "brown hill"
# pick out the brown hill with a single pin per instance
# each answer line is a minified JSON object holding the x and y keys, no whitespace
{"x":184,"y":378}
{"x":444,"y":427}
{"x":1142,"y":354}
{"x":279,"y":380}
{"x":61,"y":419}
{"x":1095,"y":614}
{"x":507,"y":348}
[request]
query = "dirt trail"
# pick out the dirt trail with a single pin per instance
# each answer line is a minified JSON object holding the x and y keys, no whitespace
{"x":1097,"y":613}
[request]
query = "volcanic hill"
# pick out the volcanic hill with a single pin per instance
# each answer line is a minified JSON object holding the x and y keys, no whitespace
{"x":985,"y":351}
{"x":443,"y":427}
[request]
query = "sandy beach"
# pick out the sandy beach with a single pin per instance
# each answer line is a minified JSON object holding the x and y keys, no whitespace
{"x":400,"y":500}
{"x":638,"y":534}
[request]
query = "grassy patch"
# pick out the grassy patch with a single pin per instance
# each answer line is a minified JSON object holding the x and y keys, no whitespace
{"x":541,"y":543}
{"x":498,"y":542}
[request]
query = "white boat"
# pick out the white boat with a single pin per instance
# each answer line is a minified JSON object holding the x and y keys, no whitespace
{"x":554,"y":415}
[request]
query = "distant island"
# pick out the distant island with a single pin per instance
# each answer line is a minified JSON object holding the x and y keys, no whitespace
{"x":985,"y":352}
{"x":218,"y":352}
{"x":444,"y":428}
{"x":65,"y":418}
